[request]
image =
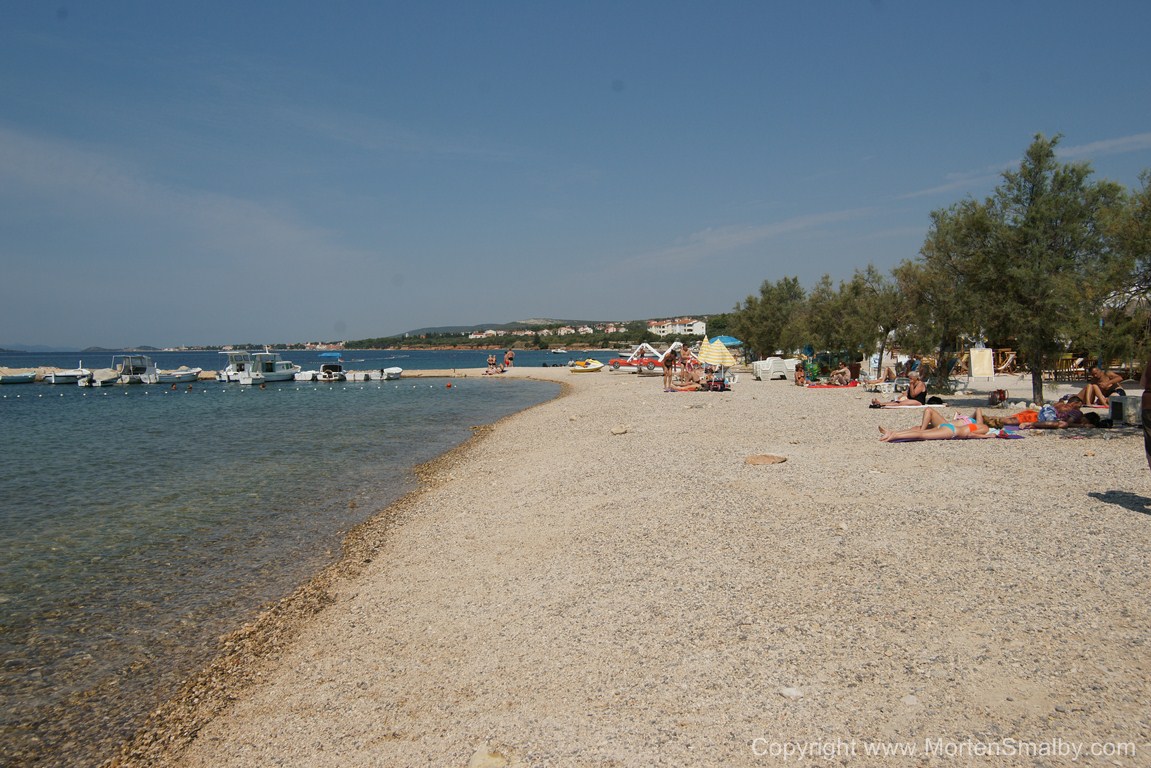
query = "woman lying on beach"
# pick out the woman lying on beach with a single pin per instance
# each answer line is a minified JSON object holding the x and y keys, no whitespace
{"x":935,"y":427}
{"x":916,"y":394}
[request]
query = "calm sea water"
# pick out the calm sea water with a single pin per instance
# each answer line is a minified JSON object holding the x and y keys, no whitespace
{"x":140,"y":524}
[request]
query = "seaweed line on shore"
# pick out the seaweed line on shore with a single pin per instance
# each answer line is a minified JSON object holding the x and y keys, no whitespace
{"x":247,"y":652}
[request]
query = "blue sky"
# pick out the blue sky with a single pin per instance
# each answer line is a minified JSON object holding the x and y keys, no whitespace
{"x":214,"y":172}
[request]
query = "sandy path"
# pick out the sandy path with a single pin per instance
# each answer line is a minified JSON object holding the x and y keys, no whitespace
{"x":561,"y":595}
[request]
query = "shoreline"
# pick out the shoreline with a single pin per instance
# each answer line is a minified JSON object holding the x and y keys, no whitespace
{"x":833,"y":592}
{"x":248,"y":649}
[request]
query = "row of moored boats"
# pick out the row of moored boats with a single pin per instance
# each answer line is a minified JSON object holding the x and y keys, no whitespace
{"x":242,"y":368}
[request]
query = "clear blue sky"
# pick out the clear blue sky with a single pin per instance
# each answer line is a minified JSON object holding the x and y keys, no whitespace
{"x":212,"y":172}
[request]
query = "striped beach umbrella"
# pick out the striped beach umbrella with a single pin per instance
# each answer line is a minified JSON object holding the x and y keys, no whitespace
{"x":712,"y":353}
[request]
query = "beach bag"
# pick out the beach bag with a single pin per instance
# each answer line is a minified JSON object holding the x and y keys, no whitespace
{"x":1048,"y":413}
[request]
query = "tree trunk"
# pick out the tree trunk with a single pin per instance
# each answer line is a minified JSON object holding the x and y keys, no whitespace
{"x":1037,"y":385}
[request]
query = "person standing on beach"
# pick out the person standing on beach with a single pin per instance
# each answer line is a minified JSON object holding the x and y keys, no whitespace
{"x":1145,"y":408}
{"x":669,"y":361}
{"x":509,"y":358}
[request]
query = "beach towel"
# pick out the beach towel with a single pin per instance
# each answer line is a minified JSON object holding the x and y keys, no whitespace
{"x":833,"y":386}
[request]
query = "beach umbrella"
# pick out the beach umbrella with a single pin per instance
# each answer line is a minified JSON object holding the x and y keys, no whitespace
{"x":713,"y":353}
{"x":727,"y":341}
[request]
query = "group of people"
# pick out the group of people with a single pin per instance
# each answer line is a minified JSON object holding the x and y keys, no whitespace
{"x":682,"y":372}
{"x":495,"y":367}
{"x":840,"y":376}
{"x":1061,"y":414}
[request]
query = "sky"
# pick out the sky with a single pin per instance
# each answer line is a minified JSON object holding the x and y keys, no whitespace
{"x":214,"y":172}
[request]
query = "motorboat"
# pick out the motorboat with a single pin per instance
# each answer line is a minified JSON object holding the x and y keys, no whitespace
{"x":17,"y":376}
{"x":392,"y":373}
{"x":136,"y":369}
{"x":180,"y":375}
{"x":69,"y":376}
{"x":331,"y":372}
{"x":306,"y":375}
{"x":272,"y":367}
{"x":585,"y":366}
{"x":239,"y":364}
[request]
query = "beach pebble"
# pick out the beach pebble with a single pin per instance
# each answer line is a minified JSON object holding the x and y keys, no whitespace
{"x":790,"y":693}
{"x":619,"y":430}
{"x":910,"y":700}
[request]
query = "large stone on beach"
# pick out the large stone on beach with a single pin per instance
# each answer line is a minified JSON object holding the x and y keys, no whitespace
{"x":766,"y":458}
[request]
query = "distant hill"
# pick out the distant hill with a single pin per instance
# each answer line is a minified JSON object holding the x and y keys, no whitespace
{"x":34,"y":348}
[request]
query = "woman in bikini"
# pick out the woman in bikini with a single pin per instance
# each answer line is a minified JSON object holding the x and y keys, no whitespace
{"x":935,"y":427}
{"x":916,"y":394}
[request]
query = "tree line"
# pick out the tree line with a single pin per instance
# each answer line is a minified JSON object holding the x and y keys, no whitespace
{"x":1052,"y":262}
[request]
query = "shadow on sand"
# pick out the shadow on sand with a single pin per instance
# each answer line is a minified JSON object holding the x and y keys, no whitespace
{"x":1131,"y":501}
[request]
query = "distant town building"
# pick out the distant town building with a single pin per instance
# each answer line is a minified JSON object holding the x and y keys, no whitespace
{"x":680,"y":326}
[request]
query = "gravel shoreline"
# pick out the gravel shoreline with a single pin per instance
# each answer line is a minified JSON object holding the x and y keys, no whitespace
{"x":605,"y":580}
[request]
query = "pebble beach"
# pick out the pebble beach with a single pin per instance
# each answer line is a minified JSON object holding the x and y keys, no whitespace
{"x":618,"y":578}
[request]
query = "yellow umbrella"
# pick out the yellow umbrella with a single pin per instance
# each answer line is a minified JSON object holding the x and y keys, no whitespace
{"x":715,"y":354}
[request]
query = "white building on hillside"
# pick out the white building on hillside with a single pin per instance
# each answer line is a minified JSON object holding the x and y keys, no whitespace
{"x":680,"y":326}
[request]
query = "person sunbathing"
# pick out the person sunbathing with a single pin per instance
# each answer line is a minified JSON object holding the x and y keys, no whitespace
{"x":935,"y":427}
{"x":916,"y":394}
{"x":1061,"y":414}
{"x":841,"y":376}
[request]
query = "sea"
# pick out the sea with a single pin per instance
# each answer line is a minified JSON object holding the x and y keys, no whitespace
{"x":140,"y":524}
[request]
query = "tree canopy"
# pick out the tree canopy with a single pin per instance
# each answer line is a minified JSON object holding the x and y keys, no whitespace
{"x":1052,"y":262}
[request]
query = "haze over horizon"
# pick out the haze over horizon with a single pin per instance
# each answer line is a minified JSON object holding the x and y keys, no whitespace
{"x":214,"y":173}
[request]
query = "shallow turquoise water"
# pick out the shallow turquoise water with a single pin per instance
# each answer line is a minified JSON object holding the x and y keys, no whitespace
{"x":139,"y":524}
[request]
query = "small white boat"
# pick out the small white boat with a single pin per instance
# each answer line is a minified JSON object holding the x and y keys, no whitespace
{"x":331,"y":372}
{"x":306,"y":375}
{"x":380,"y":374}
{"x":180,"y":375}
{"x":585,"y":366}
{"x":136,"y":369}
{"x":17,"y":376}
{"x":69,"y":376}
{"x":100,"y":377}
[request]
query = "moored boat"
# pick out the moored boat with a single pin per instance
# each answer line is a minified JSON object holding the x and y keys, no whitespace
{"x":272,"y":367}
{"x":239,"y":364}
{"x":331,"y":372}
{"x":100,"y":377}
{"x":379,"y":374}
{"x":135,"y":369}
{"x":67,"y":376}
{"x":179,"y":375}
{"x":17,"y":376}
